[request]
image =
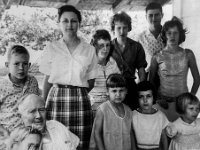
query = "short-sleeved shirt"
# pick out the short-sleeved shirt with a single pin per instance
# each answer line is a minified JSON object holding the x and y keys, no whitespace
{"x":150,"y":44}
{"x":68,"y":68}
{"x":148,"y":128}
{"x":133,"y":54}
{"x":9,"y":96}
{"x":99,"y":92}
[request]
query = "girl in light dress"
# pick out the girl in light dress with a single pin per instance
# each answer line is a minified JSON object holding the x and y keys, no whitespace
{"x":149,"y":123}
{"x":112,"y":125}
{"x":185,"y":131}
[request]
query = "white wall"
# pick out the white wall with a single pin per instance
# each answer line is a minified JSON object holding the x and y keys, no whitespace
{"x":189,"y":12}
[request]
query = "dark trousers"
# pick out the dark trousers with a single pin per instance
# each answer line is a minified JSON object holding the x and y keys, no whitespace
{"x":131,"y":98}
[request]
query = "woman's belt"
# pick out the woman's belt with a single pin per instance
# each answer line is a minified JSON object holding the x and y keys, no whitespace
{"x":65,"y":86}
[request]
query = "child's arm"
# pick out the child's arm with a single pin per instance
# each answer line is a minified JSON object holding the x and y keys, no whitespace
{"x":171,"y":130}
{"x":133,"y":139}
{"x":98,"y":130}
{"x":163,"y":141}
{"x":46,"y":87}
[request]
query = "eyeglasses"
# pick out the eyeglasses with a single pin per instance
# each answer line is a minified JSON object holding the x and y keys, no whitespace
{"x":100,"y":46}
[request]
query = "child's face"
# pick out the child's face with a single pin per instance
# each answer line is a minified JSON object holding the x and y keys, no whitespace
{"x":146,"y":100}
{"x":117,"y":94}
{"x":191,"y":113}
{"x":18,"y":66}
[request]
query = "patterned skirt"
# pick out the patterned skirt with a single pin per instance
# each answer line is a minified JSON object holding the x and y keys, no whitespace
{"x":71,"y":107}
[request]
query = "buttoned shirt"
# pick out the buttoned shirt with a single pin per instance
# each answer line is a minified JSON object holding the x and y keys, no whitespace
{"x":150,"y":44}
{"x":68,"y":68}
{"x":9,"y":97}
{"x":133,"y":55}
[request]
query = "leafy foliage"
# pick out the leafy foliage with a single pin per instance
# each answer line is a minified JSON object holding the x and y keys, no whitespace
{"x":33,"y":27}
{"x":30,"y":32}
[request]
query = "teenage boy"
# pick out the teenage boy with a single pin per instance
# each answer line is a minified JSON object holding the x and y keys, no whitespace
{"x":150,"y":38}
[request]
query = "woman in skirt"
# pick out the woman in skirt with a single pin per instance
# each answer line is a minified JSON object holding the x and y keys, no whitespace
{"x":69,"y":67}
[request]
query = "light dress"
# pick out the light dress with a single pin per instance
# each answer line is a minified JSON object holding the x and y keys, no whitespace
{"x":184,"y":136}
{"x":116,"y":130}
{"x":148,"y":128}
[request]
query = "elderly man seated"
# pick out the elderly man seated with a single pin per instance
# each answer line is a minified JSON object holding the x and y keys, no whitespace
{"x":55,"y":135}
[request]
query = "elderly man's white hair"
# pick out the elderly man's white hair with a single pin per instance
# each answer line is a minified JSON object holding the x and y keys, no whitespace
{"x":26,"y":99}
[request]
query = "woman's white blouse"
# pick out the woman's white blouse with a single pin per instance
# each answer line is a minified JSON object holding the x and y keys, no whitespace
{"x":66,"y":68}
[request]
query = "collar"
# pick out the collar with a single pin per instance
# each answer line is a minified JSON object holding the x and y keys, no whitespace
{"x":17,"y":85}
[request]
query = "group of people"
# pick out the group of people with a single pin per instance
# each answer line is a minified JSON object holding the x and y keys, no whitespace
{"x":90,"y":99}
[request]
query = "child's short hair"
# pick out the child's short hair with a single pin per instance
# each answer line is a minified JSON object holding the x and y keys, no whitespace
{"x":17,"y":49}
{"x":121,"y":17}
{"x":154,"y":5}
{"x":145,"y":86}
{"x":115,"y":80}
{"x":183,"y":100}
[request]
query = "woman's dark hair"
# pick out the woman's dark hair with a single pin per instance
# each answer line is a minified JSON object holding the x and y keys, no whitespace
{"x":115,"y":80}
{"x":145,"y":86}
{"x":174,"y":22}
{"x":183,"y":100}
{"x":69,"y":8}
{"x":104,"y":35}
{"x":121,"y":17}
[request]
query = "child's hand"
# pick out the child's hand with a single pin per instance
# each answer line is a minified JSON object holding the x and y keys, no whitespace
{"x":170,"y":130}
